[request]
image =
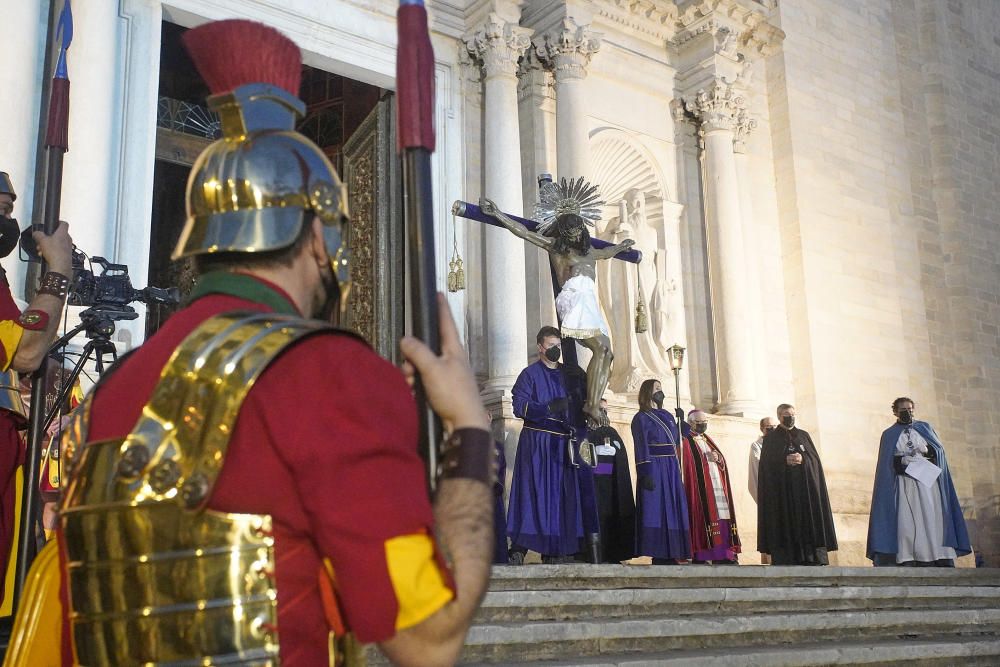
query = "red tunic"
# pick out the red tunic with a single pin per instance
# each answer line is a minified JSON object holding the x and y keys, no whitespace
{"x":11,"y":445}
{"x":702,"y":506}
{"x":325,"y":444}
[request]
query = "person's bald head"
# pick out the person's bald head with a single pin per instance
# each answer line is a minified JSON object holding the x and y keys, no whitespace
{"x":768,"y":424}
{"x":698,"y":420}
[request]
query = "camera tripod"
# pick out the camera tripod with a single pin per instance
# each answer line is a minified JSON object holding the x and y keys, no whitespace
{"x":98,"y":323}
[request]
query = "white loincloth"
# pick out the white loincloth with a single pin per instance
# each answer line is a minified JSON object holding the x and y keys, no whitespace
{"x":579,"y":314}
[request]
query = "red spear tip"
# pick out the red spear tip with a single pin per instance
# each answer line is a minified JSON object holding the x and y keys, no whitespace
{"x":232,"y":53}
{"x":414,"y":79}
{"x":57,"y":123}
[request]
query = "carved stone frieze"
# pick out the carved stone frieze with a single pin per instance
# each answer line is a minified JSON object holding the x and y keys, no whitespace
{"x":654,"y":19}
{"x":739,"y":27}
{"x":498,"y":46}
{"x":763,"y":38}
{"x":567,"y":51}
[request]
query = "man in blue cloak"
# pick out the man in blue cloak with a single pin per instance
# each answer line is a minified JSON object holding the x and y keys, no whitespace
{"x":916,"y":519}
{"x":544,"y":514}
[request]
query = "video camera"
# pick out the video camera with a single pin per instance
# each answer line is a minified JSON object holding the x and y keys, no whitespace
{"x":110,"y":290}
{"x":112,"y":287}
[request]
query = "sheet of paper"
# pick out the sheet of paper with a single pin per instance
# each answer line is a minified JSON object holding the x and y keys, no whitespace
{"x":923,"y":471}
{"x":605,"y":450}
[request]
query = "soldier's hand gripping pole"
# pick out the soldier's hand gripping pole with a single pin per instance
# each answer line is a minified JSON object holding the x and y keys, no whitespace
{"x":415,"y":131}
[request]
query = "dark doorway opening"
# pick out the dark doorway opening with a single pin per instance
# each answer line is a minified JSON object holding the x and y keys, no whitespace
{"x":340,"y":112}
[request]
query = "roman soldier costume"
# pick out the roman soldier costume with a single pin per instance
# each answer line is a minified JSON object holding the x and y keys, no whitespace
{"x":204,"y":519}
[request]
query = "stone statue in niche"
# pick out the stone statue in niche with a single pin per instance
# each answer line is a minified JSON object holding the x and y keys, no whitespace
{"x":638,"y":356}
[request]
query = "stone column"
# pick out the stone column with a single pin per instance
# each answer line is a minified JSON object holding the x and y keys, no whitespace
{"x":567,"y":52}
{"x":716,"y":109}
{"x":536,"y":96}
{"x":745,"y":124}
{"x":677,"y":329}
{"x":497,"y":47}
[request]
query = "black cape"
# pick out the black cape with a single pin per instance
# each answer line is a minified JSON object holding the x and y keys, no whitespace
{"x":793,"y":506}
{"x":615,"y":502}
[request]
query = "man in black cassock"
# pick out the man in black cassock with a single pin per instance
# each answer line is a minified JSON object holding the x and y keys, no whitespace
{"x":794,"y":520}
{"x":613,"y":489}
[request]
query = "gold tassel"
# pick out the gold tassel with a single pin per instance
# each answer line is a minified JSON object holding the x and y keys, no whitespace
{"x":641,"y":317}
{"x":456,"y":273}
{"x":459,"y":276}
{"x":452,"y":276}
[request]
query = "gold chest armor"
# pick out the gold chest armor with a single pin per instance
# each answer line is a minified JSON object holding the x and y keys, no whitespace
{"x":154,"y":577}
{"x":10,"y":396}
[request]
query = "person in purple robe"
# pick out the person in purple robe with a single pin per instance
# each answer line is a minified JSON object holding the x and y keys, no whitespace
{"x":544,"y":513}
{"x":499,"y":524}
{"x":661,"y":505}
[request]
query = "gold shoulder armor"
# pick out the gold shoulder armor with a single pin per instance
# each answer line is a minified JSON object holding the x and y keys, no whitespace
{"x":154,"y":577}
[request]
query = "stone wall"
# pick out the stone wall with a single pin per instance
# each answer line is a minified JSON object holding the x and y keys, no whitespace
{"x":889,"y":246}
{"x":949,"y":61}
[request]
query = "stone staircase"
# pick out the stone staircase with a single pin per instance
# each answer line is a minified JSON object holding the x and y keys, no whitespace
{"x":736,"y":616}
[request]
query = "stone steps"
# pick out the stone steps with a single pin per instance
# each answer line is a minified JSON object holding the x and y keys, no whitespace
{"x":634,"y":616}
{"x":514,"y":642}
{"x":568,"y":605}
{"x":924,"y":652}
{"x":600,"y":577}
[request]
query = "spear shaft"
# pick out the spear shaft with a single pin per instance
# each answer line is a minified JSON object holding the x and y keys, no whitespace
{"x":56,"y":144}
{"x":415,"y":130}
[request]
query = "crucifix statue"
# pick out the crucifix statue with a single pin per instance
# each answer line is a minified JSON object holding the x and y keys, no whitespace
{"x":565,"y":211}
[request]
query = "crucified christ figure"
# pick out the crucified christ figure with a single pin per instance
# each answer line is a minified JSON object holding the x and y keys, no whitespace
{"x":574,"y":262}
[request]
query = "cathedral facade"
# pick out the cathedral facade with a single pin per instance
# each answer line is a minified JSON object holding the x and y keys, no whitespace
{"x":810,"y":183}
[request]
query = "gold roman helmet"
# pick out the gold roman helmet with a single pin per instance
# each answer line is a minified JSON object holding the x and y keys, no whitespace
{"x":6,"y":187}
{"x":253,"y":189}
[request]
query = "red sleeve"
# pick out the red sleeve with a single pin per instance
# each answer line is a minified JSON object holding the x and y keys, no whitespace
{"x":356,"y":468}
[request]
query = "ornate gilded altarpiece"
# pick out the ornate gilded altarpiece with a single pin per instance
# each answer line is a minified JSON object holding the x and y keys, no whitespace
{"x":372,"y":175}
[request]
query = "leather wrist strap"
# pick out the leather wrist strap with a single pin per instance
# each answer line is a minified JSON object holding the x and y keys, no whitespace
{"x":54,"y":284}
{"x":469,"y":453}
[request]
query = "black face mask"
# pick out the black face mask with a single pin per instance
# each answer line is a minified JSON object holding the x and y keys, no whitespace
{"x":905,"y":417}
{"x":658,"y":398}
{"x":700,"y":429}
{"x":553,"y":353}
{"x":9,"y":235}
{"x":788,"y":421}
{"x":330,"y":310}
{"x":768,"y":429}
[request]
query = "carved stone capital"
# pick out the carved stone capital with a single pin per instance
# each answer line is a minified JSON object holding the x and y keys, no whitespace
{"x":745,"y":124}
{"x":498,"y":46}
{"x":533,"y":79}
{"x":717,"y":107}
{"x":567,"y":51}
